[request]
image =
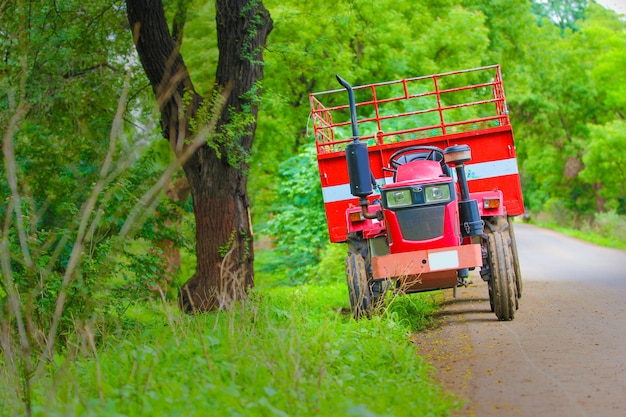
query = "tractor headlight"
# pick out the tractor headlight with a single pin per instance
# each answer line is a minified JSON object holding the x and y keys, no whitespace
{"x":398,"y":198}
{"x":437,"y":193}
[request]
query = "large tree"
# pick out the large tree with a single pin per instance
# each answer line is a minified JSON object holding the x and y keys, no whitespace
{"x":217,"y":170}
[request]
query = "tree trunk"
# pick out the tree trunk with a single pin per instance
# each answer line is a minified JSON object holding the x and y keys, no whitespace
{"x":217,"y":174}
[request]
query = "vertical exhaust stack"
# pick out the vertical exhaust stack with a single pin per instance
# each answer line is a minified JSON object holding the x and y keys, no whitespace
{"x":471,"y":223}
{"x":358,"y":160}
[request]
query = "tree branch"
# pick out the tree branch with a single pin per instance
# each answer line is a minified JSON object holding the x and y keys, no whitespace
{"x":74,"y":74}
{"x":160,"y":57}
{"x":180,"y":18}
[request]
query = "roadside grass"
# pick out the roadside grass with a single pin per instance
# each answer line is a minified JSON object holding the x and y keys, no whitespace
{"x":587,"y":236}
{"x":287,"y":351}
{"x":603,"y":229}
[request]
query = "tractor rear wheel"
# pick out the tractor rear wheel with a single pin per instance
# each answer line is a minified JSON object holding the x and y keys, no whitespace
{"x":359,"y":291}
{"x":502,"y":276}
{"x":504,"y":224}
{"x":515,"y":258}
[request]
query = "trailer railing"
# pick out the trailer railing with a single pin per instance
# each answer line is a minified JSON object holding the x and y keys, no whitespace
{"x":412,"y":108}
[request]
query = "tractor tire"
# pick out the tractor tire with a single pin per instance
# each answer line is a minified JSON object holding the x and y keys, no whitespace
{"x":504,"y":224}
{"x":359,"y":291}
{"x":502,"y":276}
{"x":515,"y":259}
{"x":374,"y":291}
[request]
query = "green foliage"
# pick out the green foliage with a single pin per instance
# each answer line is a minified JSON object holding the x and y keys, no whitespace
{"x":564,"y":13}
{"x":554,"y":95}
{"x":604,"y":164}
{"x":270,"y":270}
{"x":200,"y":45}
{"x":604,"y":229}
{"x":413,"y":312}
{"x":285,"y":352}
{"x":227,"y":143}
{"x":332,"y":265}
{"x":79,"y":168}
{"x":604,"y":39}
{"x":55,"y":241}
{"x":299,"y":225}
{"x":609,"y":225}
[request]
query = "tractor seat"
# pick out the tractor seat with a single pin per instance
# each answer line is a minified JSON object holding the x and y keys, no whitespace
{"x":418,"y":165}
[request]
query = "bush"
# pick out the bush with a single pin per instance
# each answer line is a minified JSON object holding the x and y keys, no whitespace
{"x":298,"y":227}
{"x":610,"y":225}
{"x":606,"y":229}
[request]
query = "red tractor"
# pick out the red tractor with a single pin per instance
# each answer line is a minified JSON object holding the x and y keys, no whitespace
{"x":420,"y":178}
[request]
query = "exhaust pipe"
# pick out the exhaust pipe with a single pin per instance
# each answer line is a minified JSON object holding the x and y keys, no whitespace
{"x":357,"y":157}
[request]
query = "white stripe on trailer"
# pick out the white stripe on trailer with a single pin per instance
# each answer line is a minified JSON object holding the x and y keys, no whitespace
{"x":478,"y":171}
{"x":337,"y":193}
{"x":491,"y":169}
{"x":342,"y":192}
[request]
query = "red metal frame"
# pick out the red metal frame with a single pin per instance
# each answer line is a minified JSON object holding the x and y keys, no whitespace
{"x":324,"y":126}
{"x":479,"y":119}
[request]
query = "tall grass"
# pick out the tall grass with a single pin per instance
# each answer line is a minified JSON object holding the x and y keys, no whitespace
{"x":288,"y":351}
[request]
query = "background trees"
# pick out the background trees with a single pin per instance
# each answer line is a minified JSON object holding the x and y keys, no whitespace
{"x":71,"y":171}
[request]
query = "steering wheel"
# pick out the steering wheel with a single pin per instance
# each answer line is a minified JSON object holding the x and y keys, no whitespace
{"x":434,"y":154}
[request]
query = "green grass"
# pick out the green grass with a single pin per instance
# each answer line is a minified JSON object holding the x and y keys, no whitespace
{"x":586,"y":235}
{"x":605,"y":229}
{"x":288,"y":351}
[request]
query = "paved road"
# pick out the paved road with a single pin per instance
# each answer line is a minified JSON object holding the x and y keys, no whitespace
{"x":565,"y":352}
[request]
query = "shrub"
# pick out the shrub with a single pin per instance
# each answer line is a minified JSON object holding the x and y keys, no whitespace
{"x":298,"y":226}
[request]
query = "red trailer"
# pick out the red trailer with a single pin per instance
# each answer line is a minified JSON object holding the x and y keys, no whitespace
{"x":420,"y":178}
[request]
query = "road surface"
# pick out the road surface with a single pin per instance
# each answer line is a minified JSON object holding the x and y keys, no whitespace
{"x":565,"y":352}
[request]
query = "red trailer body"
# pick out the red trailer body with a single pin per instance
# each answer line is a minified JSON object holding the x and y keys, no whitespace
{"x":462,"y":107}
